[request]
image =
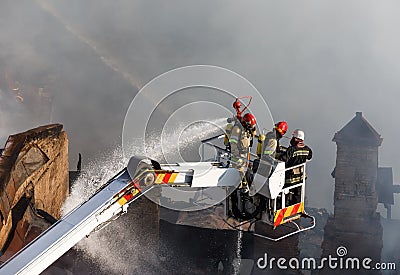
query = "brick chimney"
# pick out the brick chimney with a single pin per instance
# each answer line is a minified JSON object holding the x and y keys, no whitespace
{"x":356,"y":168}
{"x":355,"y":224}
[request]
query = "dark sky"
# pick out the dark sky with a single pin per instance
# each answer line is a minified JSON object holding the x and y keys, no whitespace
{"x":315,"y":62}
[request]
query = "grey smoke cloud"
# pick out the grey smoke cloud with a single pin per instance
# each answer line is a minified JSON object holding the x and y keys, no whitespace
{"x":315,"y":62}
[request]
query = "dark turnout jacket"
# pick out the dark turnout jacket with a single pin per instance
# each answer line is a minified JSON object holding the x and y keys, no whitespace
{"x":297,"y":154}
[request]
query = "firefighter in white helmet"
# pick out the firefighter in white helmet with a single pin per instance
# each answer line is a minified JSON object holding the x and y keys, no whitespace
{"x":297,"y":153}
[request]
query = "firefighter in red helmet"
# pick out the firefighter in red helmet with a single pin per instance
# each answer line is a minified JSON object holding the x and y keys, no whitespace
{"x":241,"y":138}
{"x":240,"y":132}
{"x":268,"y":144}
{"x":245,"y":124}
{"x":269,"y":150}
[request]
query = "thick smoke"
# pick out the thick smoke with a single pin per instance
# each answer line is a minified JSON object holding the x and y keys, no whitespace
{"x":316,"y":63}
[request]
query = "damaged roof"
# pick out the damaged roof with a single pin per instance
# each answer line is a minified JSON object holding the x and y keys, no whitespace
{"x":14,"y":145}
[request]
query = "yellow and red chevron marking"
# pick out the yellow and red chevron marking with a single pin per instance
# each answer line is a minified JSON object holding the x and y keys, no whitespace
{"x":128,"y":196}
{"x":162,"y":177}
{"x":284,"y":215}
{"x":128,"y":193}
{"x":165,"y":177}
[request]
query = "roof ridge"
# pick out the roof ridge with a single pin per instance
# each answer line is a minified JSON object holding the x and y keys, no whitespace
{"x":359,"y":131}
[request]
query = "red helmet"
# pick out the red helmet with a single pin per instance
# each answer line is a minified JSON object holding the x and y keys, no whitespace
{"x":281,"y":127}
{"x":237,"y":105}
{"x":249,"y":120}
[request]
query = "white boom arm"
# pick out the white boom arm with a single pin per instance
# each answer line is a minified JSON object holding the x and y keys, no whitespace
{"x":109,"y":202}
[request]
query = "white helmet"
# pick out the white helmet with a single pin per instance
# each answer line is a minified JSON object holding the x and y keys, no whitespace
{"x":298,"y":134}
